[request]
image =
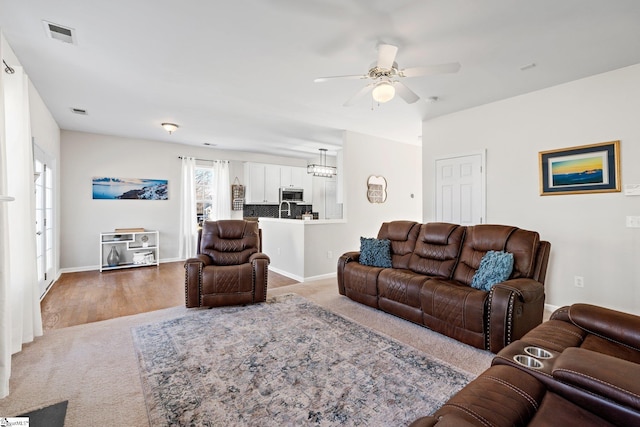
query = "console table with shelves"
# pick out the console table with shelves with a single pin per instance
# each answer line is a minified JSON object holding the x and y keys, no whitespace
{"x":134,"y":249}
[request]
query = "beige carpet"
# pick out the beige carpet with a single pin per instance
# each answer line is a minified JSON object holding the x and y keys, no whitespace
{"x":94,"y":366}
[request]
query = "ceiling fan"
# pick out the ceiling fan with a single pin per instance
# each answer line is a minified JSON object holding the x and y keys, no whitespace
{"x":384,"y":75}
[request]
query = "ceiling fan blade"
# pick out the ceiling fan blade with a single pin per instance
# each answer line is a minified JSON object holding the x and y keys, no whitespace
{"x":362,"y":92}
{"x":386,"y":55}
{"x":405,"y":93}
{"x":324,"y":79}
{"x":311,"y":7}
{"x":430,"y":70}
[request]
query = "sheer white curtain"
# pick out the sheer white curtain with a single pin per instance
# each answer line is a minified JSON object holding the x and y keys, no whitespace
{"x":5,"y":322}
{"x":221,"y":191}
{"x":19,"y":298}
{"x":188,"y":225}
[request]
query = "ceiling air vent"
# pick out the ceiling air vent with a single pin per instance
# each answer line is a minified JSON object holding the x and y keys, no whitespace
{"x":79,"y":111}
{"x":59,"y":32}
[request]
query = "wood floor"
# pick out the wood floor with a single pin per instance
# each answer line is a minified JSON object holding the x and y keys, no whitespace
{"x":91,"y":296}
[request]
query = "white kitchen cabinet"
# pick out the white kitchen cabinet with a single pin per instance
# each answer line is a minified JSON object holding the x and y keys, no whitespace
{"x":133,"y":249}
{"x":263,"y":183}
{"x":307,"y":185}
{"x":292,"y":176}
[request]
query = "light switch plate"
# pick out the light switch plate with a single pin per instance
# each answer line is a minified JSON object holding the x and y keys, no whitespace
{"x":632,"y":189}
{"x":633,"y":221}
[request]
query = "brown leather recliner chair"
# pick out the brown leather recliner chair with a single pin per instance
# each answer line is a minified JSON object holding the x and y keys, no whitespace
{"x":230,"y":268}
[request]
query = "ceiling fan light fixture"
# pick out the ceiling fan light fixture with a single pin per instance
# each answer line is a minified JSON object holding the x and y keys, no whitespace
{"x":170,"y":127}
{"x":383,"y":92}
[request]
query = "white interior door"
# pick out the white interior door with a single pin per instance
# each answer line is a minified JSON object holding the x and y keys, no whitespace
{"x":460,"y":189}
{"x":44,"y":219}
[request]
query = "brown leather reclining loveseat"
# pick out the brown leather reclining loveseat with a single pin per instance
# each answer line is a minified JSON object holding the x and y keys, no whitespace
{"x":581,"y":368}
{"x":433,"y":265}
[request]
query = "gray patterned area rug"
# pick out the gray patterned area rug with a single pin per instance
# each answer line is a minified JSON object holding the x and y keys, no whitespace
{"x":283,"y":363}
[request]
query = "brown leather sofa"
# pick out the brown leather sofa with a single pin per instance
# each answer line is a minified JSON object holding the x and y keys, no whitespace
{"x":581,"y":368}
{"x":433,"y":265}
{"x":230,"y":268}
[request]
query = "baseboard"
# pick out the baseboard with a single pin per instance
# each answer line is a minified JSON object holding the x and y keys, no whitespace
{"x":79,"y":269}
{"x":287,"y":274}
{"x":551,"y":308}
{"x":302,"y":279}
{"x":97,"y":267}
{"x":319,"y":277}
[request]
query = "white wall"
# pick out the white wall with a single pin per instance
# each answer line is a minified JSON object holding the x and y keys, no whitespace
{"x":400,"y":164}
{"x":587,"y":232}
{"x":362,"y":156}
{"x":86,"y":155}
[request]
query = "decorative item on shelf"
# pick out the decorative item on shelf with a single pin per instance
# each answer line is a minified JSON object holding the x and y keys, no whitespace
{"x":130,"y":230}
{"x":113,"y":258}
{"x":237,"y":195}
{"x":322,"y":169}
{"x":143,"y":258}
{"x":145,"y":241}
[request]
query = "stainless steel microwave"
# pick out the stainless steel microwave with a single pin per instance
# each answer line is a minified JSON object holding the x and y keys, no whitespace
{"x":288,"y":194}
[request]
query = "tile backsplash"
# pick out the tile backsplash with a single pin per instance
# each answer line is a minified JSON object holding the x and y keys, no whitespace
{"x":271,"y":211}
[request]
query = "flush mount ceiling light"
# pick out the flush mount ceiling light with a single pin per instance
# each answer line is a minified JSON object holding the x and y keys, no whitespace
{"x":170,"y":127}
{"x":383,"y":92}
{"x":322,"y":169}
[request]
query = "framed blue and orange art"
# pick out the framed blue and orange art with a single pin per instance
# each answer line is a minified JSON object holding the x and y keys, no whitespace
{"x":591,"y":168}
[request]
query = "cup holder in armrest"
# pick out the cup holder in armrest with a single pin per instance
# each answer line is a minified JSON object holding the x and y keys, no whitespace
{"x":527,"y":361}
{"x":538,"y":353}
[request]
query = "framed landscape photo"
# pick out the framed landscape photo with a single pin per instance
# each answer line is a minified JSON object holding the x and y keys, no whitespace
{"x":129,"y":188}
{"x":591,"y":168}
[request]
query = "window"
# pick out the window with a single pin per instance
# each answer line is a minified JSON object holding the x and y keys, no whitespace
{"x":204,"y":192}
{"x":212,"y":191}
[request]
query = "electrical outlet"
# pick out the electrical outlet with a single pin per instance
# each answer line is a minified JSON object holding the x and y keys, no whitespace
{"x":633,"y":221}
{"x":329,"y":254}
{"x":578,"y":281}
{"x":278,"y":251}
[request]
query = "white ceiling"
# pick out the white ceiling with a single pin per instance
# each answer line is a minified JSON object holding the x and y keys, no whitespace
{"x":239,"y":74}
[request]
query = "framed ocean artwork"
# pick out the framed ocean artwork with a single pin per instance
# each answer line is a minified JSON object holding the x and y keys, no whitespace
{"x":129,"y":188}
{"x":591,"y":168}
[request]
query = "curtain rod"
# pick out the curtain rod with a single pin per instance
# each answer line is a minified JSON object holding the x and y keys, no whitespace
{"x":204,"y":160}
{"x":7,"y":68}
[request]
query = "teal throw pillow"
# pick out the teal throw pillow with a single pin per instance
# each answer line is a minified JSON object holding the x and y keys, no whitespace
{"x":495,"y":267}
{"x":375,"y":252}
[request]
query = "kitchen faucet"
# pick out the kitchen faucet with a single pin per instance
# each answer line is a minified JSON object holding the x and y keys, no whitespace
{"x":288,"y":209}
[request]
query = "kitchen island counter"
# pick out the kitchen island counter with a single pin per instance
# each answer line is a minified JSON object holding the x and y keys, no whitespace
{"x":303,"y":249}
{"x":262,"y":220}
